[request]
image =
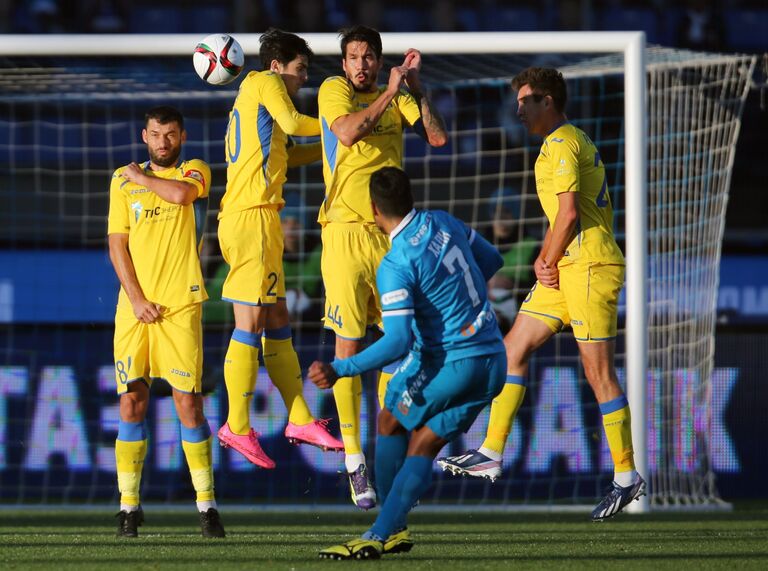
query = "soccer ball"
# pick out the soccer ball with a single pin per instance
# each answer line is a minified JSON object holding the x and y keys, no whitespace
{"x":218,"y":59}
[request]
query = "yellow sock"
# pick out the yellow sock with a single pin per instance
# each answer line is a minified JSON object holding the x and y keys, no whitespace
{"x":503,"y":412}
{"x":348,"y":393}
{"x":617,"y":423}
{"x":382,"y":387}
{"x":200,"y":461}
{"x":129,"y":455}
{"x":283,"y":367}
{"x":241,"y":364}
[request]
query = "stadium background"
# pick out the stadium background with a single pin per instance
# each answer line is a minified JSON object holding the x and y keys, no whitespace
{"x":56,"y":340}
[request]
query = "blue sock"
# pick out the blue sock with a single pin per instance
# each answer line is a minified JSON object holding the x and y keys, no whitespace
{"x":390,"y":455}
{"x":412,"y":480}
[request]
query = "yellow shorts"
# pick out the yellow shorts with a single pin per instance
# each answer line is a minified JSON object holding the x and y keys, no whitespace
{"x":351,"y":255}
{"x":587,"y":301}
{"x":170,"y":348}
{"x":252,"y":244}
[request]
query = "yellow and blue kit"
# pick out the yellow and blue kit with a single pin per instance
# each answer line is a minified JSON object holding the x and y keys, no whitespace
{"x":569,"y":162}
{"x":592,"y":266}
{"x":257,"y":154}
{"x":347,"y":170}
{"x":164,"y":241}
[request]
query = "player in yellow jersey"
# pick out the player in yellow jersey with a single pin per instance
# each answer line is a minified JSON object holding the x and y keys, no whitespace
{"x":362,"y":131}
{"x":580,"y":273}
{"x":156,"y":219}
{"x":259,"y":152}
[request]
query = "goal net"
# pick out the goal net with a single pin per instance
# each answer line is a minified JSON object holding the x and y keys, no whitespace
{"x":69,"y":121}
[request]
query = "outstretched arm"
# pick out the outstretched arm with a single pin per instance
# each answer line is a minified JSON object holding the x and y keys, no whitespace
{"x":281,"y":109}
{"x":432,"y":126}
{"x":303,"y":154}
{"x":393,"y":345}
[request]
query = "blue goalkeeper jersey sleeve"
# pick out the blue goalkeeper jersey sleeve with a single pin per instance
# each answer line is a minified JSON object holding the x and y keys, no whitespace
{"x":430,"y":279}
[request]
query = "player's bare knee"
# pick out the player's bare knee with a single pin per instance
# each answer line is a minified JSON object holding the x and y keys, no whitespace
{"x":249,"y":318}
{"x":276,"y":316}
{"x":603,"y":382}
{"x":517,"y":354}
{"x":189,"y":407}
{"x":388,"y":425}
{"x":424,"y":442}
{"x":133,"y":406}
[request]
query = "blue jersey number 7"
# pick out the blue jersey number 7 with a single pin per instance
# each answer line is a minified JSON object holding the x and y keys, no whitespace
{"x":453,"y":256}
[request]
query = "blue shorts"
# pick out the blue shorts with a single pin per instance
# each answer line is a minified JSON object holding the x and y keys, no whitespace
{"x":446,"y":397}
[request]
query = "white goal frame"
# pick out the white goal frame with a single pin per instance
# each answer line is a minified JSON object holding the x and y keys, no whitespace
{"x":630,"y":44}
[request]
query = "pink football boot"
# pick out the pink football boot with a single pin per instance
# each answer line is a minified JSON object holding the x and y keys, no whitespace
{"x":314,"y":433}
{"x":247,"y":444}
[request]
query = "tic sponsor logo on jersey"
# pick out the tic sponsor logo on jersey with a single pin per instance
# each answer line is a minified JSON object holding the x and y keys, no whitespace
{"x":181,"y":373}
{"x":161,"y":213}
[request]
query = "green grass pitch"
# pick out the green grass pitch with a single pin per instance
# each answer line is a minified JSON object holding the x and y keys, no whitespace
{"x":84,"y":539}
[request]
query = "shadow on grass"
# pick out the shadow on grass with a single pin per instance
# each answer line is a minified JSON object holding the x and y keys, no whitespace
{"x":15,"y":520}
{"x":470,"y":558}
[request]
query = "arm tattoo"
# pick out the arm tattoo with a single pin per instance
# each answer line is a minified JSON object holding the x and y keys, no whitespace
{"x":365,"y":125}
{"x":433,"y":122}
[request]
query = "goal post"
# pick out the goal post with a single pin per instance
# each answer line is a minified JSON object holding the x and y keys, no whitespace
{"x":627,"y":57}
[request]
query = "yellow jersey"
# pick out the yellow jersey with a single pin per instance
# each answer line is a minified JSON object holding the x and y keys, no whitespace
{"x":261,"y":119}
{"x":164,"y":239}
{"x":569,"y":162}
{"x":347,"y":170}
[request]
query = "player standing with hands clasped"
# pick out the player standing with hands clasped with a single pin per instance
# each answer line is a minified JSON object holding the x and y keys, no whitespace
{"x":362,"y":131}
{"x":156,"y":220}
{"x":436,"y":311}
{"x":580,"y":273}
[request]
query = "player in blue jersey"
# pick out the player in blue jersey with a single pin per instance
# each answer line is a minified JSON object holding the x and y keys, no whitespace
{"x":436,"y":314}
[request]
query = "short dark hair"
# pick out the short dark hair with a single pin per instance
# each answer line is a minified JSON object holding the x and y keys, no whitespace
{"x":360,"y":34}
{"x":544,"y":80}
{"x":281,"y":46}
{"x":164,"y":114}
{"x":391,"y":191}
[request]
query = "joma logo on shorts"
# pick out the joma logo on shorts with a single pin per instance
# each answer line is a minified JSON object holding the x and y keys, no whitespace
{"x":180,"y":373}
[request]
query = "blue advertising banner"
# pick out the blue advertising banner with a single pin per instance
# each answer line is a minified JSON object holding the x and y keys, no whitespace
{"x":57,"y":287}
{"x":81,"y":287}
